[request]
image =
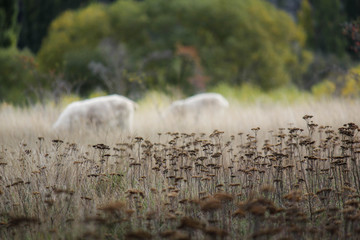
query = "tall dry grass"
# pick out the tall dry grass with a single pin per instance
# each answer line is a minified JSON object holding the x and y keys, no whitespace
{"x":25,"y":124}
{"x":266,"y":172}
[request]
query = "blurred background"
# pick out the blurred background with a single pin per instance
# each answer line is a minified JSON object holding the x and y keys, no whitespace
{"x":243,"y":49}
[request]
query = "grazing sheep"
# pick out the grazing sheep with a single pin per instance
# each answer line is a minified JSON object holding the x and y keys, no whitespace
{"x":199,"y":107}
{"x":108,"y":111}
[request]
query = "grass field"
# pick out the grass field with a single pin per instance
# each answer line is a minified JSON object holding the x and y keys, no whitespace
{"x":261,"y":171}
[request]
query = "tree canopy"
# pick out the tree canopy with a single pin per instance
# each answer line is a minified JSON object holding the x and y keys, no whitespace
{"x":240,"y":41}
{"x":134,"y":45}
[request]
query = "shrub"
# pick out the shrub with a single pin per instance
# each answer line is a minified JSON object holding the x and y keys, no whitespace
{"x":325,"y":88}
{"x":16,"y":78}
{"x":351,"y":86}
{"x":71,"y":31}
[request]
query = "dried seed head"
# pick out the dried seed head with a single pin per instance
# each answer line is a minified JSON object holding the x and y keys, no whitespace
{"x":65,"y":191}
{"x":257,"y":209}
{"x":223,"y":197}
{"x":216,"y":155}
{"x":101,"y":146}
{"x":170,"y":216}
{"x":210,"y":204}
{"x":214,"y":231}
{"x":352,"y":202}
{"x":268,"y":189}
{"x":239,"y":213}
{"x":188,"y":222}
{"x":113,"y":206}
{"x":49,"y":202}
{"x":175,"y":235}
{"x":294,"y":196}
{"x":172,"y":194}
{"x":307,"y":117}
{"x":139,"y":234}
{"x":150,"y":215}
{"x":18,"y":220}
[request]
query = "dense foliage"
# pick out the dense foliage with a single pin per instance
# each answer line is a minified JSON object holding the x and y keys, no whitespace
{"x":131,"y":46}
{"x":16,"y":78}
{"x":8,"y":26}
{"x":247,"y":41}
{"x":35,"y":17}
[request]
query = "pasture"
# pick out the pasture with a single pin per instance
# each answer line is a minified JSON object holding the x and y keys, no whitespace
{"x":260,"y":171}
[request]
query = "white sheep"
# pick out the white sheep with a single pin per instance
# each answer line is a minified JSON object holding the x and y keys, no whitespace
{"x":113,"y":111}
{"x":199,"y":107}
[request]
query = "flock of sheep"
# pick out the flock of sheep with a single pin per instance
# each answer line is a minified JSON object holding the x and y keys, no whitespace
{"x":115,"y":111}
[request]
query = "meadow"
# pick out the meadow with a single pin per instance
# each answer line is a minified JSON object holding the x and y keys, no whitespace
{"x":264,"y":170}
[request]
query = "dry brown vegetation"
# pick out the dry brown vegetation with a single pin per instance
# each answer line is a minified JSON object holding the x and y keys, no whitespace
{"x":265,"y":173}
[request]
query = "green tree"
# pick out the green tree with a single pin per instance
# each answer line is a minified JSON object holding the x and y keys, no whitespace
{"x":73,"y":31}
{"x":36,"y":15}
{"x":238,"y":41}
{"x":328,"y":19}
{"x":184,"y":42}
{"x":8,"y":24}
{"x":16,"y":78}
{"x":305,"y":20}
